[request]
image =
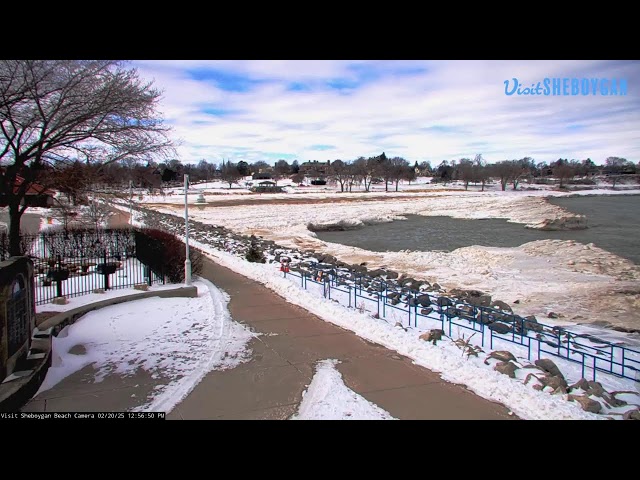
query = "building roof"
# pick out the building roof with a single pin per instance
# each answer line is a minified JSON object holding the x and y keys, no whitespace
{"x":34,"y":188}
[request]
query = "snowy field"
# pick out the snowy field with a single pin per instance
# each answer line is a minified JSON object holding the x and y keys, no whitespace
{"x":175,"y":339}
{"x":446,"y":357}
{"x":544,"y":276}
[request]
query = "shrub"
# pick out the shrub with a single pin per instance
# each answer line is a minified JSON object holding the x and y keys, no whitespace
{"x":254,"y":254}
{"x":164,"y":254}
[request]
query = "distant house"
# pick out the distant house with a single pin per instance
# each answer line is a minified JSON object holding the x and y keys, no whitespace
{"x":267,"y":186}
{"x":315,"y":168}
{"x":36,"y":195}
{"x":262,"y":176}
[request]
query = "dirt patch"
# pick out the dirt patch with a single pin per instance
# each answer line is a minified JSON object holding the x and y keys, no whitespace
{"x":257,"y":200}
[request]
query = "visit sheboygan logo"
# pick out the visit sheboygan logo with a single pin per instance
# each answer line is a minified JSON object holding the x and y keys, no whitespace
{"x":568,"y":87}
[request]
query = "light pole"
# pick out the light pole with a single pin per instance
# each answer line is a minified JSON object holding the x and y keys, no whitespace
{"x":131,"y":202}
{"x":187,"y":262}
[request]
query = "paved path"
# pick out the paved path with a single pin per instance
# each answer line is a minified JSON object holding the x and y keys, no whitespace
{"x":270,"y":385}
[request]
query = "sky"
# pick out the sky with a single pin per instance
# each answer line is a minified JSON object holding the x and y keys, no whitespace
{"x":421,"y":110}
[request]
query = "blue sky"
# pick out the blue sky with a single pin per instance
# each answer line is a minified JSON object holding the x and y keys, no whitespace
{"x":420,"y":110}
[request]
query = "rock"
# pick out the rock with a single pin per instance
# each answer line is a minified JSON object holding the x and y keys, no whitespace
{"x":466,"y":312}
{"x":444,"y":302}
{"x":586,"y":403}
{"x":531,"y":323}
{"x":408,"y":282}
{"x":391,"y":274}
{"x":516,"y":302}
{"x":437,"y":287}
{"x":426,"y":311}
{"x":632,"y":415}
{"x":502,"y":355}
{"x":556,"y":382}
{"x":78,"y":350}
{"x":578,"y":222}
{"x":60,"y":301}
{"x":432,"y":335}
{"x":500,"y":328}
{"x":141,"y":286}
{"x":377,"y":272}
{"x":552,"y":315}
{"x":583,"y":383}
{"x":549,"y":367}
{"x":500,"y":305}
{"x":480,"y":301}
{"x":506,"y":368}
{"x":423,"y":300}
{"x":596,"y":388}
{"x":99,"y":290}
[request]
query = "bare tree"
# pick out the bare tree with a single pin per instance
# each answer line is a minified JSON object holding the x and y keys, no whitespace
{"x":229,"y":173}
{"x":367,"y":169}
{"x":564,"y":171}
{"x":465,"y":171}
{"x":281,"y":170}
{"x":62,"y":110}
{"x":339,"y":171}
{"x":96,"y":214}
{"x":480,"y":171}
{"x":409,"y":174}
{"x":399,"y":170}
{"x":502,"y":170}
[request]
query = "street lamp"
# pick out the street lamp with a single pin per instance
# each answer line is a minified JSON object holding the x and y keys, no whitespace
{"x":187,"y":262}
{"x":131,"y":202}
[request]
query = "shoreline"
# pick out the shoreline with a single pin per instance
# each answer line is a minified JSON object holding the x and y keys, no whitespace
{"x":579,"y":283}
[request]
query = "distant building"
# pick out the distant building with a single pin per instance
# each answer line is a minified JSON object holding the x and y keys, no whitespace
{"x":262,"y":176}
{"x":36,"y":195}
{"x":315,"y":168}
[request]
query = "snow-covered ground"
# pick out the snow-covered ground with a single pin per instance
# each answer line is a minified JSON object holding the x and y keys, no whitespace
{"x":445,"y":357}
{"x":328,"y":398}
{"x":544,"y":276}
{"x":177,"y":339}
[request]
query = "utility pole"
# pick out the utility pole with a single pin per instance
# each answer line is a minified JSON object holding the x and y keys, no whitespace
{"x":187,"y":262}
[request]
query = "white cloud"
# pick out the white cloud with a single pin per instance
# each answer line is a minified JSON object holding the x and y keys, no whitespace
{"x":394,"y":111}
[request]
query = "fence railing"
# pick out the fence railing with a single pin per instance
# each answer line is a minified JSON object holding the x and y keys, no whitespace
{"x":73,"y":263}
{"x":495,"y":328}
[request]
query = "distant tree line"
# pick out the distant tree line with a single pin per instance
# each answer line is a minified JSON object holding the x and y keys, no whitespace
{"x":75,"y":179}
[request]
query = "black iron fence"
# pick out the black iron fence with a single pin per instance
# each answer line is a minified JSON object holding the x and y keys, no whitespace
{"x":77,"y":262}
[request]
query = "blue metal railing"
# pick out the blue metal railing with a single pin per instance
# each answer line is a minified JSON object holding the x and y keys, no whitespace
{"x":419,"y":309}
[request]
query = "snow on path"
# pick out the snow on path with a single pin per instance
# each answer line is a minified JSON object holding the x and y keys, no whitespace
{"x":328,"y":398}
{"x":174,"y":339}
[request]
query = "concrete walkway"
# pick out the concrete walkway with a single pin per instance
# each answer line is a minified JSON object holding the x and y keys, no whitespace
{"x":271,"y":384}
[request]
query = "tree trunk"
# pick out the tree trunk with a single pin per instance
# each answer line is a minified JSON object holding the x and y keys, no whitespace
{"x":14,"y":229}
{"x":397,"y":182}
{"x":386,"y":186}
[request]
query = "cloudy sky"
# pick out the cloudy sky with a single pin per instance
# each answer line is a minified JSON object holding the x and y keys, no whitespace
{"x":421,"y":110}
